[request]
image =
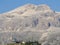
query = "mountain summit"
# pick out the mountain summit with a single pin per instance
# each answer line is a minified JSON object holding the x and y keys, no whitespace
{"x":30,"y":23}
{"x":28,"y":8}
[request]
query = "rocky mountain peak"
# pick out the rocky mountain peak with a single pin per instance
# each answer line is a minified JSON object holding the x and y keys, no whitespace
{"x":44,"y":7}
{"x":30,"y":7}
{"x":30,"y":23}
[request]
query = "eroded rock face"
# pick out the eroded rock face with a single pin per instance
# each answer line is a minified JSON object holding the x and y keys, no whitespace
{"x":30,"y":23}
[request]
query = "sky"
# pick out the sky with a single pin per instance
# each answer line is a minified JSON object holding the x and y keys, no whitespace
{"x":8,"y":5}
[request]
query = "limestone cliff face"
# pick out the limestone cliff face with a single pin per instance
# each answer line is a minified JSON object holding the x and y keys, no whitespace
{"x":30,"y":23}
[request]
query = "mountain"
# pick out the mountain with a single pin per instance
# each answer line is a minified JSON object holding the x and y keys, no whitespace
{"x":31,"y":23}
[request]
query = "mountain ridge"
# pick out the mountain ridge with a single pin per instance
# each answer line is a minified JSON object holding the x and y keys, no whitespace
{"x":30,"y":21}
{"x":29,"y":6}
